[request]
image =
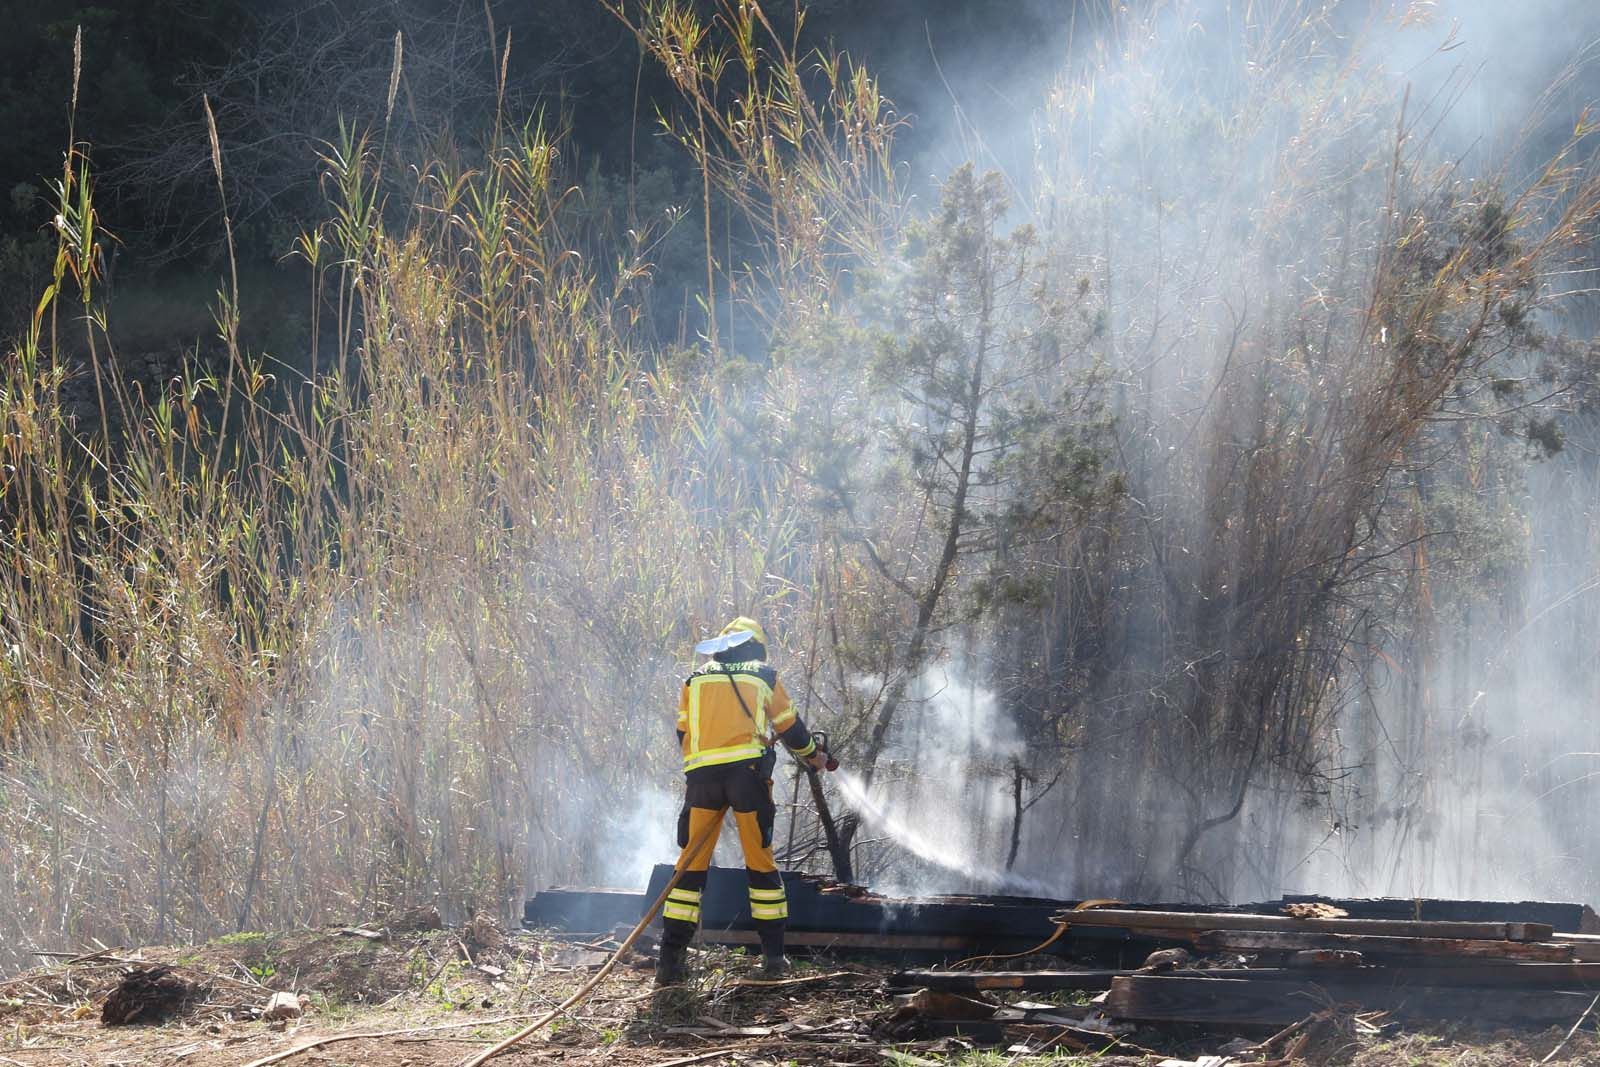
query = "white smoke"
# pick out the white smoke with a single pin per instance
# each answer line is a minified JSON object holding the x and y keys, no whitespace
{"x":1465,"y":775}
{"x":640,"y":832}
{"x":940,"y":805}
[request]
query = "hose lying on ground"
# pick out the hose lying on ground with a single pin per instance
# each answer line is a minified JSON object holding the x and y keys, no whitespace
{"x":1061,"y":929}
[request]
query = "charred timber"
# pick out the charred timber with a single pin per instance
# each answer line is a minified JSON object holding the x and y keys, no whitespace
{"x":864,"y":921}
{"x":1376,"y":945}
{"x":1246,"y":1002}
{"x":1132,"y":919}
{"x":1485,"y":975}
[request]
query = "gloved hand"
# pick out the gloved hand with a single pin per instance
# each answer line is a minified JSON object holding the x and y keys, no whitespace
{"x":818,"y":760}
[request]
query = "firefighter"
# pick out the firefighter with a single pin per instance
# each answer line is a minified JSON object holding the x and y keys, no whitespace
{"x":727,"y":713}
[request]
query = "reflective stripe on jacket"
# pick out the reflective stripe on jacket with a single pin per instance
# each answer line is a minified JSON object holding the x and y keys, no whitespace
{"x":716,"y":729}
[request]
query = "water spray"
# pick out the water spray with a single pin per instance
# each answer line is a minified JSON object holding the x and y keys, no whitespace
{"x":928,"y":850}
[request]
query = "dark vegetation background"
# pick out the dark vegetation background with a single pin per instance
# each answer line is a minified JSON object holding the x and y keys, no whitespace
{"x":283,"y":73}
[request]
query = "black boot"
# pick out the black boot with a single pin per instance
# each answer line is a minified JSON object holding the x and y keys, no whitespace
{"x":672,"y":966}
{"x":773,"y":964}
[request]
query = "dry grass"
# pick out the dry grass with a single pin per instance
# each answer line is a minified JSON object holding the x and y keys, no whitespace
{"x":277,"y":652}
{"x":1466,"y":1050}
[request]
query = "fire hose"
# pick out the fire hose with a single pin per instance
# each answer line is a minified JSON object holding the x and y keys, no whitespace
{"x":649,"y":916}
{"x":837,"y":850}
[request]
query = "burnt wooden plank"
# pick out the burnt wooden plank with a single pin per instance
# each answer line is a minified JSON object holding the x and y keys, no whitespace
{"x":1488,"y":974}
{"x":1479,"y":973}
{"x":887,"y":942}
{"x":1373,"y":945}
{"x":1565,"y":917}
{"x":1238,"y":1002}
{"x":1152,"y":998}
{"x":814,"y":906}
{"x":1326,"y":959}
{"x":1585,"y":947}
{"x":1172,"y":920}
{"x":971,"y":981}
{"x":588,"y":910}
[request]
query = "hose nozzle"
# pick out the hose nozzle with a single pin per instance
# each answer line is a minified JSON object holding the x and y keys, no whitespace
{"x":828,"y":761}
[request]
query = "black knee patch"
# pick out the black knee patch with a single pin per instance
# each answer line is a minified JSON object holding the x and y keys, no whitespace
{"x":752,"y":792}
{"x":764,"y":879}
{"x":766,"y":815}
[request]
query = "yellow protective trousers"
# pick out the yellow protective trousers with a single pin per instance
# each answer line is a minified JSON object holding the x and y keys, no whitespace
{"x":711,"y":793}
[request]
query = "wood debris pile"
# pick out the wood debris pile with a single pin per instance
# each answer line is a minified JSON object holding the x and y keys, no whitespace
{"x":147,"y":995}
{"x":1261,"y":970}
{"x":1283,"y":979}
{"x":124,"y":990}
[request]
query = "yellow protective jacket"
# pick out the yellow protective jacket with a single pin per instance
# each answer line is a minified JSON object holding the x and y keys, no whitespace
{"x":714,"y":728}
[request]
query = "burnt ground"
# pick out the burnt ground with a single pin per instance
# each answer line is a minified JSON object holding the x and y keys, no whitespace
{"x":461,"y":989}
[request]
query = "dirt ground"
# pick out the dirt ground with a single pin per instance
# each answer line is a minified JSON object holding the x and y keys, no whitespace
{"x":433,"y":997}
